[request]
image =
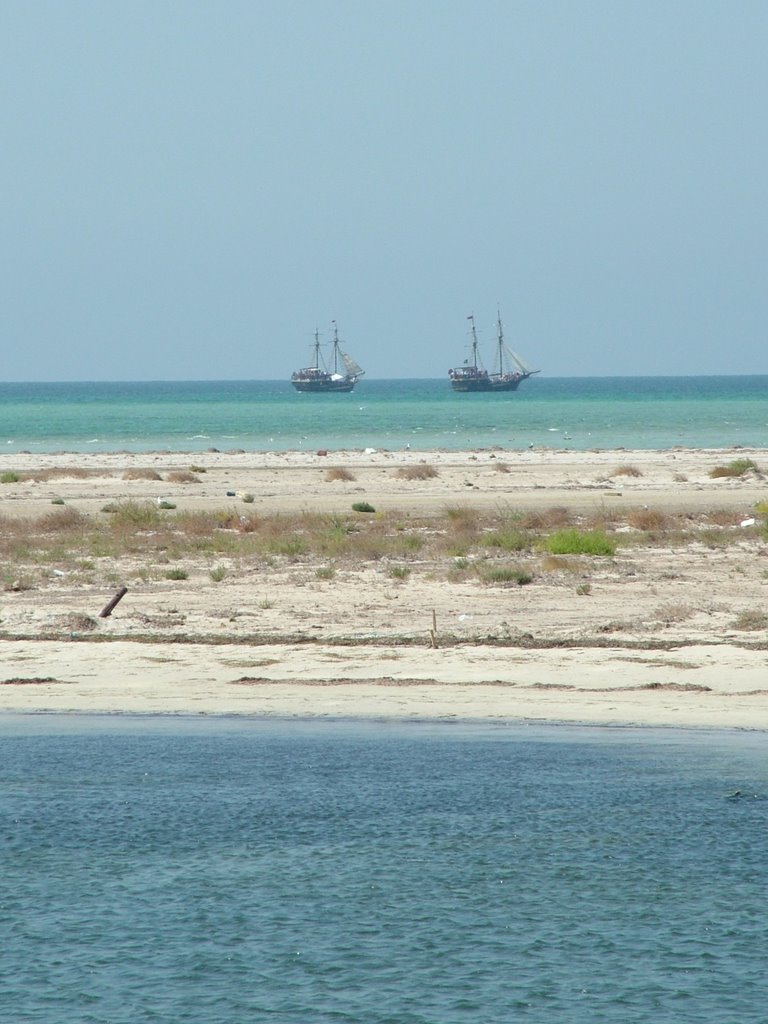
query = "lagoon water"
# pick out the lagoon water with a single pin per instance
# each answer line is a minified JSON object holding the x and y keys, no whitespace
{"x":571,"y":413}
{"x":218,"y":870}
{"x":210,"y":870}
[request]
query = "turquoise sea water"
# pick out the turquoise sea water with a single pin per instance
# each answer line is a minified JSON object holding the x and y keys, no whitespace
{"x":577,"y":413}
{"x":216,"y":871}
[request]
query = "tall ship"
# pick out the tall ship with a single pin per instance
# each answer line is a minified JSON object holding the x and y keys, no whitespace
{"x":339,"y":373}
{"x":509,"y":370}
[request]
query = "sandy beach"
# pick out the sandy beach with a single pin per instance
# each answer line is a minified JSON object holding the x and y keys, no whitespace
{"x":670,"y":629}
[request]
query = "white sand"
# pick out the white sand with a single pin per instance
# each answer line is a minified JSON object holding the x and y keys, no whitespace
{"x":653,"y":643}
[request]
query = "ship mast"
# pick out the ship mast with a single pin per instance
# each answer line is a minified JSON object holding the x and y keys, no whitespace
{"x":471,"y":318}
{"x":335,"y":347}
{"x":500,"y":339}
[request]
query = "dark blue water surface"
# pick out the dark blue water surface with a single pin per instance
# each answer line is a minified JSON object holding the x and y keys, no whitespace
{"x":216,"y":870}
{"x":577,"y":413}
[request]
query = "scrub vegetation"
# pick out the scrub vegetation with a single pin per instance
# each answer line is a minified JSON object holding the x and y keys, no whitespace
{"x":736,"y":468}
{"x":150,"y":541}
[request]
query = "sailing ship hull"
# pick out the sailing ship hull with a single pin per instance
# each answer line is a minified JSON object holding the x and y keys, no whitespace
{"x":508,"y":381}
{"x":323,"y":385}
{"x":480,"y":381}
{"x":470,"y":384}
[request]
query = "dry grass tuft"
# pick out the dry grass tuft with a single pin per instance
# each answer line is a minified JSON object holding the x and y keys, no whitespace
{"x":751,"y":619}
{"x":559,"y":563}
{"x":339,"y":473}
{"x":195,"y":524}
{"x":501,"y":467}
{"x":626,"y":471}
{"x":462,"y":519}
{"x":249,"y":523}
{"x":648,"y":519}
{"x":603,"y":518}
{"x":182,"y":476}
{"x":724,"y":517}
{"x":546,"y":519}
{"x":670,"y":614}
{"x":62,"y":520}
{"x":141,"y":473}
{"x":421,"y":471}
{"x":69,"y":472}
{"x":617,"y":626}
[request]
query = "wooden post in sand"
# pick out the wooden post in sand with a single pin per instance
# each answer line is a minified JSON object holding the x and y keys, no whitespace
{"x":106,"y":611}
{"x":433,"y":631}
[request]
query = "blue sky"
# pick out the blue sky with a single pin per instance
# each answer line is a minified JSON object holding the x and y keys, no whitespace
{"x":189,"y":189}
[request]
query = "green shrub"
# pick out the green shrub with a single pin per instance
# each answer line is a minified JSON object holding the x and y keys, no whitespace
{"x":508,"y":539}
{"x":736,"y":468}
{"x":290,"y":546}
{"x":177,"y":574}
{"x":9,"y":478}
{"x":399,"y":572}
{"x":412,"y":542}
{"x":507,"y":575}
{"x":137,"y":514}
{"x":362,"y":506}
{"x":462,"y":518}
{"x":579,"y":542}
{"x":761,"y":509}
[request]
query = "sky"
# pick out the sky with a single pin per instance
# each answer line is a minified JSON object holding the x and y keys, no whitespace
{"x":190,"y":188}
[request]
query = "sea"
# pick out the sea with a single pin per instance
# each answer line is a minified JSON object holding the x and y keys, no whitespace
{"x":561,"y":413}
{"x":211,"y":870}
{"x":219,"y":870}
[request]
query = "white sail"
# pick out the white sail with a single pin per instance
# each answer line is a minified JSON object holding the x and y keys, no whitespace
{"x":518,"y":361}
{"x":351,"y":366}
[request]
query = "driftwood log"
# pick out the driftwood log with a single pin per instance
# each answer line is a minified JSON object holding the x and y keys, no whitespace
{"x":106,"y":611}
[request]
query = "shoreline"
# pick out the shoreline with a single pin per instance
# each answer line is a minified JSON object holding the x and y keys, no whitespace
{"x":649,"y":637}
{"x":285,"y":480}
{"x":7,"y":717}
